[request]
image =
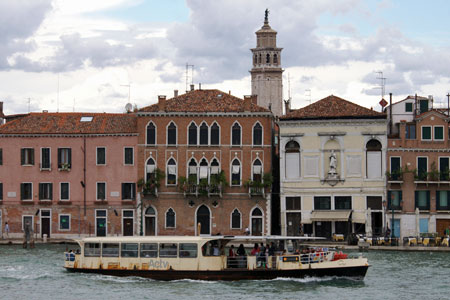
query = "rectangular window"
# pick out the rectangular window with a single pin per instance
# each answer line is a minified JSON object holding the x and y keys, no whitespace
{"x":438,"y":133}
{"x":45,"y":159}
{"x":64,"y":222}
{"x":395,"y":168}
{"x":423,"y":104}
{"x":64,"y":191}
{"x":168,"y":250}
{"x":422,"y":200}
{"x":426,"y":133}
{"x":410,"y":131}
{"x":27,"y":156}
{"x":444,"y":168}
{"x":129,"y":250}
{"x":188,"y":250}
{"x":408,"y":107}
{"x":45,"y":191}
{"x":64,"y":158}
{"x":322,"y":203}
{"x":374,"y":202}
{"x":128,"y":191}
{"x":110,"y":250}
{"x":342,"y":202}
{"x":149,"y":250}
{"x":1,"y":191}
{"x":26,"y":191}
{"x":442,"y":200}
{"x":101,"y":156}
{"x":129,"y":156}
{"x":1,"y":156}
{"x":101,"y":190}
{"x":92,"y":250}
{"x":293,"y":203}
{"x":394,"y":200}
{"x":422,"y":168}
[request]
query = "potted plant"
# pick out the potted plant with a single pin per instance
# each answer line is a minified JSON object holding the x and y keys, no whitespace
{"x":433,"y":175}
{"x":150,"y":187}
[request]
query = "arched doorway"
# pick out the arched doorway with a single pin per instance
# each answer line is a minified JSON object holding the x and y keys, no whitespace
{"x":150,"y":221}
{"x":257,"y":222}
{"x":204,"y":218}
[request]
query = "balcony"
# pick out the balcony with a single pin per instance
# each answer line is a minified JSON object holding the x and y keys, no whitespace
{"x":64,"y":167}
{"x":432,"y":178}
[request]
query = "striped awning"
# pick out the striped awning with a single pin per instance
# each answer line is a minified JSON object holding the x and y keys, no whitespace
{"x":330,"y":215}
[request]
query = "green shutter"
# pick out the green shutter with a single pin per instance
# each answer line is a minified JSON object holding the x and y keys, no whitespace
{"x":438,"y":133}
{"x":416,"y":198}
{"x":426,"y":133}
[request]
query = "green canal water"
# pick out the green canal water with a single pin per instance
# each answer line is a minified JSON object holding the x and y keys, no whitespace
{"x":38,"y":274}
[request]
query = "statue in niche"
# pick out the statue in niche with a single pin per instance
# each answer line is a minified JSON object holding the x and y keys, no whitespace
{"x":333,"y":163}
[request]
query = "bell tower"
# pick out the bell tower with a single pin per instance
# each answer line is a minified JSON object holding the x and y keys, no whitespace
{"x":267,"y":74}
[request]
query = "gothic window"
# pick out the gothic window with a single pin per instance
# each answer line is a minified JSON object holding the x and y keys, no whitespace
{"x":151,"y":134}
{"x":203,"y":169}
{"x":171,"y":172}
{"x":170,"y":218}
{"x":255,"y":59}
{"x":192,"y":132}
{"x":215,"y":134}
{"x":150,"y":169}
{"x":257,"y":170}
{"x":192,"y":171}
{"x":172,"y":134}
{"x":373,"y":159}
{"x":215,"y":168}
{"x":236,"y":135}
{"x":260,"y":59}
{"x":236,"y":219}
{"x":235,"y":172}
{"x":267,"y":58}
{"x":275,"y":59}
{"x":204,"y":134}
{"x":292,"y":154}
{"x":257,"y":135}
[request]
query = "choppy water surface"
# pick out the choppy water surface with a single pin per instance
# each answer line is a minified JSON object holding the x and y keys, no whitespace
{"x":38,"y":274}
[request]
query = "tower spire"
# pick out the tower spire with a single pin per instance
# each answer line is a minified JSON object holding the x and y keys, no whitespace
{"x":266,"y":18}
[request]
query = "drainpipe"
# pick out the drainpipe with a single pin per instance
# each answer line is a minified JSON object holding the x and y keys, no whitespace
{"x":390,"y":113}
{"x":84,"y":176}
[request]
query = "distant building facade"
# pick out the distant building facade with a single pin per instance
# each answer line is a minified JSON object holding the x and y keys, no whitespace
{"x":332,"y":169}
{"x":209,"y":151}
{"x":69,"y":174}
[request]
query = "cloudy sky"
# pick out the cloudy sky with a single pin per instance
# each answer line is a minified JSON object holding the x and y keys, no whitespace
{"x":97,"y":51}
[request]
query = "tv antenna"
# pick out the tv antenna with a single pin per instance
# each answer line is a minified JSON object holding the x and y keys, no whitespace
{"x":187,"y":75}
{"x":382,"y":83}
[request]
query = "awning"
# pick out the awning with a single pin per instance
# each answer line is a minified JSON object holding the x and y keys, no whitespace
{"x":359,"y":217}
{"x":306,"y":221}
{"x":330,"y":215}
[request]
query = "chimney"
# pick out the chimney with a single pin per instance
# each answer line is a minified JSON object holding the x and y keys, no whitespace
{"x":247,"y":103}
{"x":192,"y":87}
{"x":1,"y":110}
{"x":162,"y":103}
{"x":255,"y":99}
{"x":199,"y":86}
{"x":287,"y":106}
{"x":175,"y":93}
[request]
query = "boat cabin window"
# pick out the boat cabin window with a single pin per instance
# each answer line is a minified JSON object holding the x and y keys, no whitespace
{"x":188,"y":250}
{"x":212,"y":248}
{"x":129,"y":250}
{"x":92,"y":249}
{"x":110,"y":250}
{"x":168,"y":250}
{"x":149,"y":250}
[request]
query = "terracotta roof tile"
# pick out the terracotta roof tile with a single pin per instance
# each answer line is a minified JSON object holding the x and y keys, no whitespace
{"x":204,"y":101}
{"x":333,"y":107}
{"x":69,"y":123}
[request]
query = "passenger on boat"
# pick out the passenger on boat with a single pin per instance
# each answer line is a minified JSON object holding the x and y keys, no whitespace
{"x":242,"y":256}
{"x":272,"y":249}
{"x":262,"y":256}
{"x":216,"y":250}
{"x":231,"y":252}
{"x":255,"y":250}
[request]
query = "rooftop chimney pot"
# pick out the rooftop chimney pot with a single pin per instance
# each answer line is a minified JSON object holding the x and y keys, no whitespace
{"x":162,"y":103}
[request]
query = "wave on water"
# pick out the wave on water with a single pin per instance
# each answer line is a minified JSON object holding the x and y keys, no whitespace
{"x":315,"y":279}
{"x":196,"y":281}
{"x":116,"y":279}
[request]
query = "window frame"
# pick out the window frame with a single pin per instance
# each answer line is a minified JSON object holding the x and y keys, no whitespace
{"x":167,"y":172}
{"x":422,"y":132}
{"x":174,"y":219}
{"x":59,"y":222}
{"x":41,"y":191}
{"x":23,"y":221}
{"x":1,"y":156}
{"x":408,"y":131}
{"x":200,"y":134}
{"x":132,"y":191}
{"x":41,"y":164}
{"x":418,"y":170}
{"x":231,"y":172}
{"x":1,"y":193}
{"x":97,"y":190}
{"x":27,"y":160}
{"x":167,"y":134}
{"x":416,"y":200}
{"x":61,"y":156}
{"x":389,"y":200}
{"x":190,"y":134}
{"x":97,"y":156}
{"x":342,"y":197}
{"x":438,"y":196}
{"x":68,"y":191}
{"x":21,"y":196}
{"x":441,"y":172}
{"x":317,"y":202}
{"x":155,"y":133}
{"x":231,"y":219}
{"x":240,"y":135}
{"x":293,"y":208}
{"x":211,"y":133}
{"x":253,"y":134}
{"x":409,"y":104}
{"x":125,"y":162}
{"x":434,"y":133}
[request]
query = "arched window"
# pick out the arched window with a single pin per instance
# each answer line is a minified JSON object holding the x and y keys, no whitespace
{"x":292,"y":154}
{"x":150,"y":221}
{"x":203,"y":169}
{"x":255,"y":59}
{"x":150,"y":169}
{"x":192,"y":132}
{"x":257,"y":135}
{"x":236,"y":172}
{"x":257,"y":222}
{"x":204,"y":134}
{"x":215,"y":134}
{"x":257,"y":170}
{"x":192,"y":171}
{"x":236,"y":219}
{"x":267,"y":58}
{"x":172,"y":134}
{"x":151,"y":134}
{"x":260,"y":59}
{"x":171,"y":172}
{"x":236,"y":134}
{"x":373,"y":159}
{"x":150,"y":211}
{"x":170,"y":218}
{"x":275,"y":59}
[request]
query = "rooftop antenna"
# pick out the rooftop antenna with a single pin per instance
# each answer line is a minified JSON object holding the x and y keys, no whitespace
{"x":289,"y":87}
{"x":382,"y":83}
{"x":187,"y":75}
{"x":129,"y":90}
{"x":309,"y":94}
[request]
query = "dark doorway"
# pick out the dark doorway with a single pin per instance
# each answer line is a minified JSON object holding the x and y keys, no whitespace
{"x":323,"y":229}
{"x":257,"y":222}
{"x":45,"y":223}
{"x":377,"y":223}
{"x":150,"y":228}
{"x":293,"y":223}
{"x":342,"y":228}
{"x":100,"y":222}
{"x":204,"y":218}
{"x":127,"y":227}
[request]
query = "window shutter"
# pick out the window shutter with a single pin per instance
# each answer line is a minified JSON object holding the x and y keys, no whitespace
{"x":1,"y":157}
{"x":41,"y":191}
{"x":292,"y":165}
{"x":123,"y":191}
{"x":373,"y":164}
{"x":416,"y":198}
{"x":70,"y":157}
{"x":22,"y":156}
{"x":22,"y":191}
{"x":32,"y":156}
{"x":428,"y":200}
{"x":59,"y":157}
{"x":133,"y":191}
{"x":389,"y":199}
{"x":51,"y":192}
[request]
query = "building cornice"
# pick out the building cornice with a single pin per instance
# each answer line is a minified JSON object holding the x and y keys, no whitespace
{"x":206,"y":114}
{"x":17,"y":135}
{"x":339,"y":122}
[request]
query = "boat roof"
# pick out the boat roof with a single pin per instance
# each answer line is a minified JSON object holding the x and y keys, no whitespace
{"x":192,"y":239}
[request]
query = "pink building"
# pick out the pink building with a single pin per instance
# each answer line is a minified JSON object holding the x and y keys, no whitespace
{"x":69,"y":174}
